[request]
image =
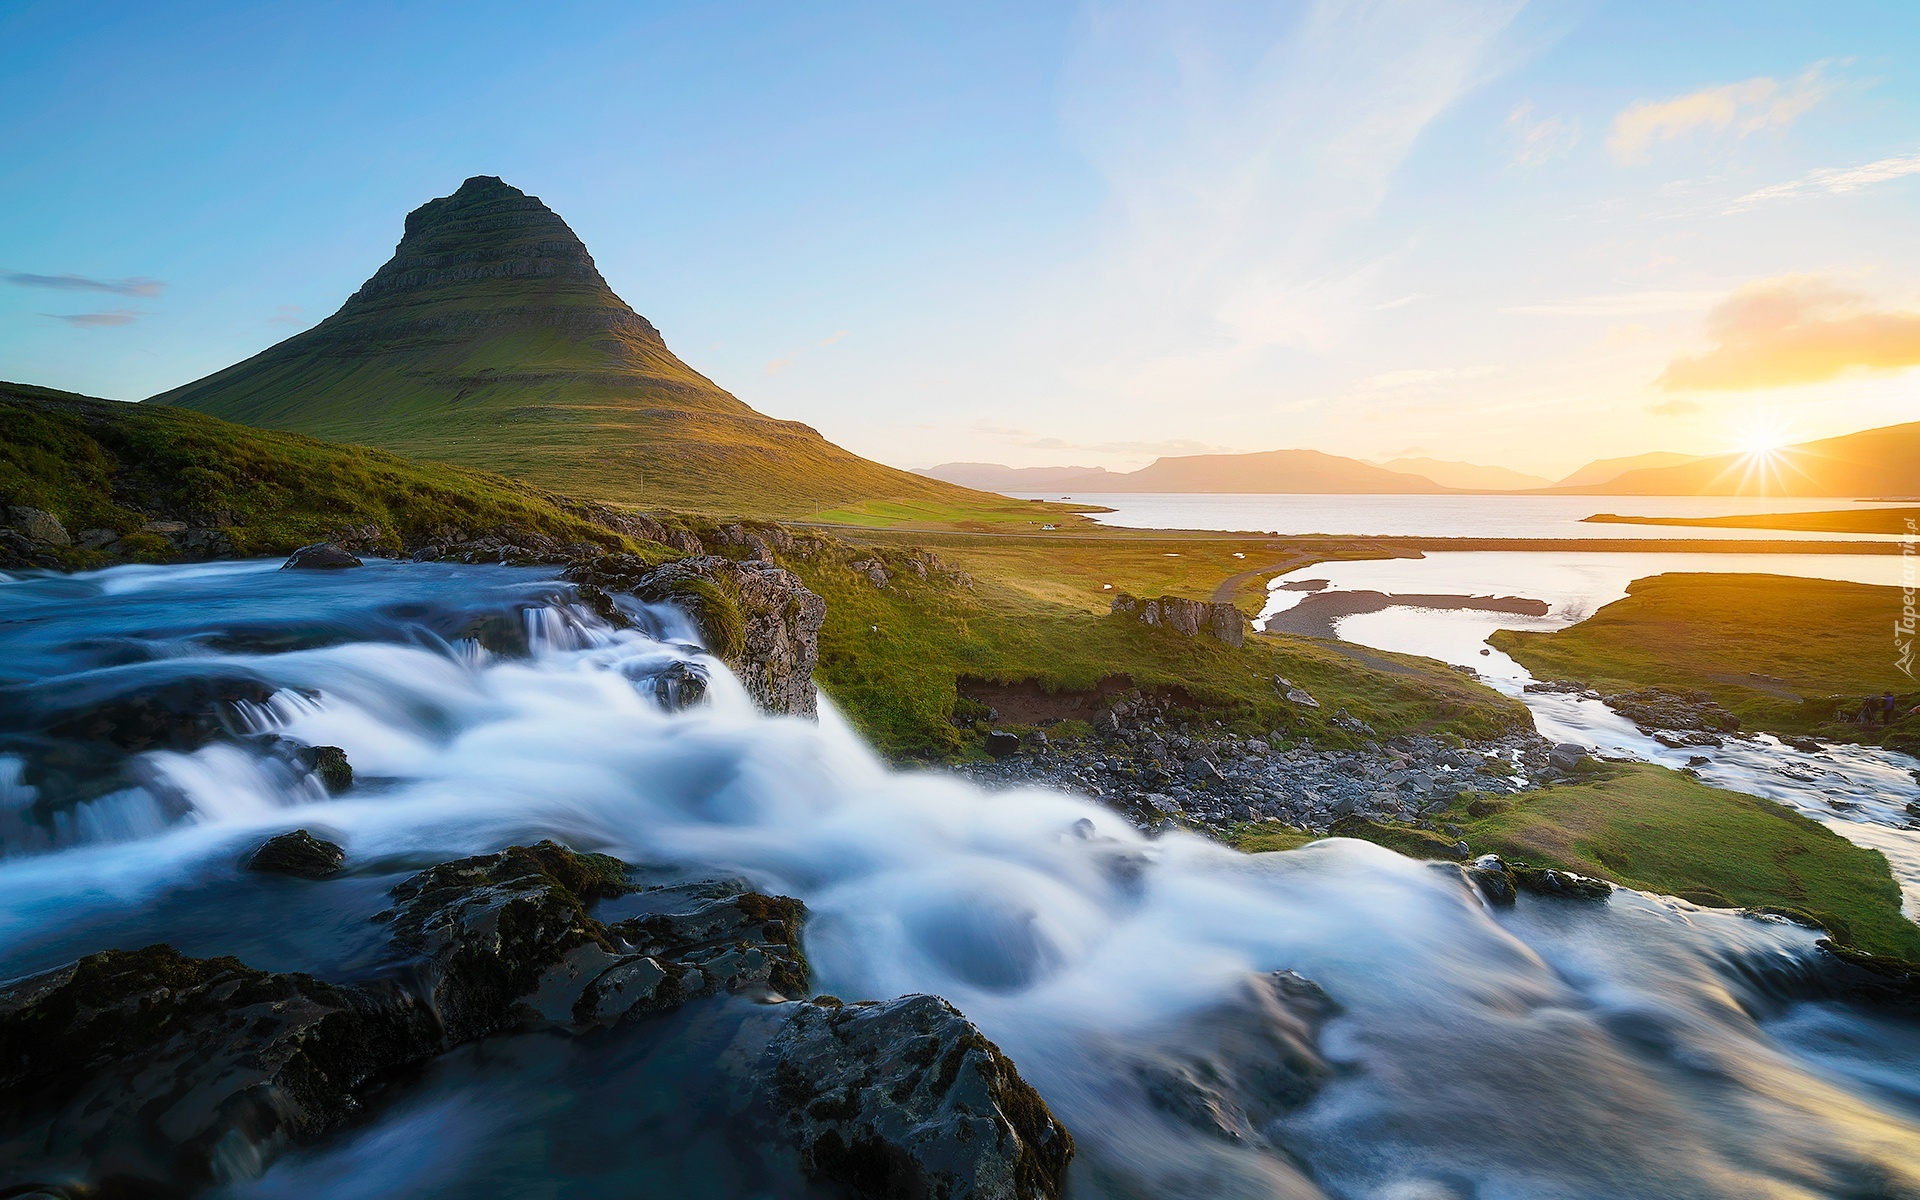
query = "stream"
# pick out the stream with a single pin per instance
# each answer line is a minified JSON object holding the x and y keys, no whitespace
{"x":1641,"y":1047}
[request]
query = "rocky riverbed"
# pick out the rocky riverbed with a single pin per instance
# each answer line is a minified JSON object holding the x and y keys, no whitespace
{"x":1158,"y":774}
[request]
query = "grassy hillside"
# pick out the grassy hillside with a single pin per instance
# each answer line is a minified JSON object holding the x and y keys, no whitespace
{"x":491,"y":340}
{"x":1845,"y":520}
{"x":1784,"y":654}
{"x":1659,"y":831}
{"x":103,"y":465}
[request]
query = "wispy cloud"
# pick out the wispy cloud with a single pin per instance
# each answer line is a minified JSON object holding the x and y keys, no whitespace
{"x":786,"y":360}
{"x":1246,"y":158}
{"x":1795,"y":329}
{"x":831,"y":338}
{"x":1540,"y":140}
{"x":1171,"y":446}
{"x":1402,"y":302}
{"x":135,"y":286}
{"x":1624,"y":304}
{"x":1674,"y":408}
{"x":285,"y":314}
{"x":99,"y":320}
{"x":1746,"y":108}
{"x":1831,"y":181}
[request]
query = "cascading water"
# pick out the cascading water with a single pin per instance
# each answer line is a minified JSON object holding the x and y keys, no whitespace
{"x":1637,"y":1048}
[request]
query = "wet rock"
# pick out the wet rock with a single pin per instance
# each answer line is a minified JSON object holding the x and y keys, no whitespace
{"x":1192,"y":618}
{"x":149,"y":1069}
{"x":907,"y":1099}
{"x":331,"y":765}
{"x":321,"y":556}
{"x":39,"y":525}
{"x":1654,"y":708}
{"x":1001,"y":744}
{"x":1566,"y":756}
{"x":137,"y":708}
{"x":298,"y":853}
{"x":680,"y":686}
{"x":1564,"y":885}
{"x":1244,"y":1064}
{"x":1490,"y":875}
{"x":756,"y":617}
{"x":727,"y":941}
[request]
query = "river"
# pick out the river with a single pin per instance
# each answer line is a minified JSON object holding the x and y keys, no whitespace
{"x":1638,"y":1048}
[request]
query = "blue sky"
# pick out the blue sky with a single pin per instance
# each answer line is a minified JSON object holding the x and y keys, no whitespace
{"x":1525,"y":233}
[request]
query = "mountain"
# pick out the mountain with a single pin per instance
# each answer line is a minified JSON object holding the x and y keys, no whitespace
{"x":1600,"y":470}
{"x":1874,"y":462}
{"x":1467,"y":476}
{"x":992,"y":477}
{"x":490,"y":339}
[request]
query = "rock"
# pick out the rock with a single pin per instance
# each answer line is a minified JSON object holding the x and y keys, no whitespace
{"x":40,"y":526}
{"x":680,"y":686}
{"x":1664,"y":708}
{"x":1224,"y":622}
{"x":298,"y":853}
{"x":1293,"y":693}
{"x":907,"y":1099}
{"x":1545,"y":881}
{"x":1490,"y":875}
{"x":331,"y":765}
{"x":756,"y":617}
{"x":321,"y":556}
{"x":1001,"y":744}
{"x":1202,"y":770}
{"x":1804,"y":745}
{"x":150,"y":1069}
{"x":1034,"y":743}
{"x":1566,"y":756}
{"x":1352,"y":724}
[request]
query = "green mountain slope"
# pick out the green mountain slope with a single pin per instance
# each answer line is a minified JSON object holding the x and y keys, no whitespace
{"x":490,"y":339}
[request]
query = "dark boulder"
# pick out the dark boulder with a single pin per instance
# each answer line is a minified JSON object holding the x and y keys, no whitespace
{"x":321,"y":556}
{"x":331,"y":765}
{"x":298,"y":853}
{"x":907,"y":1099}
{"x":1490,"y":875}
{"x":152,"y":1070}
{"x":1001,"y":744}
{"x":1564,"y":885}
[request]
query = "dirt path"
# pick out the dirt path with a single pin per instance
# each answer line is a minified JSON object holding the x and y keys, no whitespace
{"x":1231,"y":585}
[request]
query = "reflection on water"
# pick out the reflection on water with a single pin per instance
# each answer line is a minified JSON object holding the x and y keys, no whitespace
{"x":1637,"y":1048}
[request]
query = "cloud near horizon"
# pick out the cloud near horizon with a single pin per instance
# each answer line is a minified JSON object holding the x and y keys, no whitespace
{"x":1747,"y":107}
{"x":1831,"y":181}
{"x":1795,"y":329}
{"x":137,"y":285}
{"x":105,"y":320}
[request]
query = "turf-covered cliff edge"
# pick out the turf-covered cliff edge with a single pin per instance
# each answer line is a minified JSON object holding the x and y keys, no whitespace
{"x":490,"y":339}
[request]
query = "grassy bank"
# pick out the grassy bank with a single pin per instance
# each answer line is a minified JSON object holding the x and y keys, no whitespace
{"x":98,"y":464}
{"x":1783,"y":654}
{"x":1845,"y":520}
{"x":896,"y":657}
{"x":1656,"y":830}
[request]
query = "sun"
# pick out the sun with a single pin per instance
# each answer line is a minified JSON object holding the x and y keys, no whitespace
{"x":1762,"y":439}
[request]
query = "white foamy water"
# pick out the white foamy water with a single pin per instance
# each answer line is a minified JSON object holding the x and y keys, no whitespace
{"x":1640,"y":1048}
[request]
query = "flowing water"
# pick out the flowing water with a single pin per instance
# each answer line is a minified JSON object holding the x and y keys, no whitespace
{"x":1860,"y":792}
{"x":1637,"y":1048}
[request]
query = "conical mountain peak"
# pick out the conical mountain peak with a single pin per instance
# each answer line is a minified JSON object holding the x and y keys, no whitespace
{"x":490,"y":339}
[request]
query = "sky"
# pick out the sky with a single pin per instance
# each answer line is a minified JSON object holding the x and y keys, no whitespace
{"x":1522,"y":232}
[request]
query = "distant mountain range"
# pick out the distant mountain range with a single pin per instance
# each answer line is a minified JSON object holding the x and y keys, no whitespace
{"x":490,"y":339}
{"x":1877,"y":462}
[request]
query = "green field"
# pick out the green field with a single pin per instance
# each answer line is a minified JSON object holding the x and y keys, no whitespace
{"x":1783,"y":654}
{"x":1659,"y":831}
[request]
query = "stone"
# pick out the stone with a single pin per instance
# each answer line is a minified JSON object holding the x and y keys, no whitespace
{"x":39,"y":525}
{"x":298,"y":853}
{"x":1203,"y":770}
{"x":321,"y":556}
{"x":1191,"y":618}
{"x":1490,"y":875}
{"x":1668,"y":708}
{"x":1001,"y":744}
{"x":331,"y":766}
{"x":1565,"y":885}
{"x":906,"y":1098}
{"x":1034,"y":742}
{"x":1293,"y":693}
{"x":756,"y":617}
{"x":1566,"y":756}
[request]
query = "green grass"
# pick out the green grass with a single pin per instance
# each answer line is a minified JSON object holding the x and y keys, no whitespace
{"x":1784,"y":654}
{"x":98,"y":464}
{"x":1846,"y":520}
{"x":1657,"y":830}
{"x":893,"y":657}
